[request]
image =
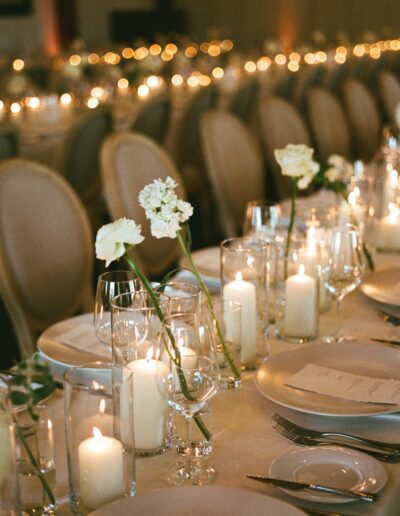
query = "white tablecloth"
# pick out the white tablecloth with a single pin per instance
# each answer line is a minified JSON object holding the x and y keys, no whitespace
{"x":244,"y":440}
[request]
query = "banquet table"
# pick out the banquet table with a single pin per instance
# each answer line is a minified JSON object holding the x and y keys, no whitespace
{"x":244,"y":439}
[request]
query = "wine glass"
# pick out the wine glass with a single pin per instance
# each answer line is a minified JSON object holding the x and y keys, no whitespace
{"x":344,"y":269}
{"x":187,"y":377}
{"x":109,"y":285}
{"x":262,"y":219}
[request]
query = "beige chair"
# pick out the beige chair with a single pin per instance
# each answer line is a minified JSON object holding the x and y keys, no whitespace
{"x":245,"y":99}
{"x":153,"y":118}
{"x":364,"y":118}
{"x":78,"y":160}
{"x":235,"y":167}
{"x":389,"y":89}
{"x":328,"y":124}
{"x":46,"y":250}
{"x":280,"y":124}
{"x":9,"y":141}
{"x":130,"y":161}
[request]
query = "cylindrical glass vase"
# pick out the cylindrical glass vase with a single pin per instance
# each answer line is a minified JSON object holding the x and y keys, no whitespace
{"x":244,"y":280}
{"x":99,"y":428}
{"x":9,"y":501}
{"x":136,"y":328}
{"x":297,"y":298}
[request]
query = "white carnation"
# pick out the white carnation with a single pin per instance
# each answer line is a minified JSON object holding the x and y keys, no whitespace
{"x":296,"y":161}
{"x":340,"y":169}
{"x":163,"y":208}
{"x":112,"y":238}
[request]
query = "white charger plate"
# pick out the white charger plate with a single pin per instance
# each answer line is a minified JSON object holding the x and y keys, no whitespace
{"x":199,"y":501}
{"x":383,"y":286}
{"x":60,"y":356}
{"x":331,"y":466}
{"x":352,"y":357}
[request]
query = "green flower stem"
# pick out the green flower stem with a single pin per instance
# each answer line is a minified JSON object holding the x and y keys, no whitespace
{"x":293,"y":194}
{"x":210,"y":305}
{"x":33,"y":460}
{"x":177,"y":360}
{"x":366,"y":252}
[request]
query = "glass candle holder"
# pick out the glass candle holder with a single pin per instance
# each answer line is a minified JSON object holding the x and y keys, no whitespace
{"x":37,"y":495}
{"x":136,"y":328}
{"x":99,"y":429}
{"x":183,"y":297}
{"x":227,"y":324}
{"x":9,"y":500}
{"x":297,"y":314}
{"x":244,"y":280}
{"x":262,"y":219}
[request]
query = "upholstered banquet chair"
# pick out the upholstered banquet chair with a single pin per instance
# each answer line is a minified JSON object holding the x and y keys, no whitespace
{"x":280,"y":124}
{"x":9,"y":141}
{"x":235,"y":167}
{"x":78,"y":159}
{"x":245,"y":100}
{"x":153,"y":118}
{"x":46,"y":249}
{"x":364,"y":118}
{"x":130,"y":161}
{"x":389,"y":89}
{"x":329,"y":125}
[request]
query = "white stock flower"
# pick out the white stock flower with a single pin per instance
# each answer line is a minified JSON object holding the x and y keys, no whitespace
{"x":296,"y":161}
{"x":163,"y":208}
{"x":111,"y":239}
{"x":340,"y":169}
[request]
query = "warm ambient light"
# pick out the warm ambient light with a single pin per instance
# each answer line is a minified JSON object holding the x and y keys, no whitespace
{"x":177,"y":80}
{"x":293,"y":66}
{"x":123,"y":83}
{"x":152,"y":81}
{"x":128,"y":53}
{"x":33,"y":102}
{"x":155,"y":49}
{"x":92,"y":102}
{"x":97,"y":92}
{"x":193,"y":81}
{"x":227,"y":45}
{"x":143,"y":90}
{"x":218,"y":72}
{"x":75,"y":60}
{"x":263,"y":63}
{"x":250,"y":66}
{"x":280,"y":59}
{"x":15,"y":107}
{"x":66,"y":99}
{"x":93,"y":58}
{"x":18,"y":65}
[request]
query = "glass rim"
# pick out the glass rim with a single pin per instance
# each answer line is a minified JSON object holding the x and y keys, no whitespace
{"x":254,"y":245}
{"x":161,"y":296}
{"x":101,"y":276}
{"x":190,"y":286}
{"x":100,"y":366}
{"x":236,"y":306}
{"x":264,"y":202}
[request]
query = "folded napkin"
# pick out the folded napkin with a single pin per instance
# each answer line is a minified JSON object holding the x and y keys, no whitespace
{"x":83,"y":338}
{"x":348,"y":386}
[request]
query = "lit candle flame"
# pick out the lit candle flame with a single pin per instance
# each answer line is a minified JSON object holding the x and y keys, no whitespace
{"x":352,"y":199}
{"x":301,"y":269}
{"x":96,"y":432}
{"x":311,"y":241}
{"x":149,"y":354}
{"x":238,"y":276}
{"x":393,"y":178}
{"x":102,"y":407}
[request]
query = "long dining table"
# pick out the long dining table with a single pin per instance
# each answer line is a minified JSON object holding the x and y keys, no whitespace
{"x":244,"y":439}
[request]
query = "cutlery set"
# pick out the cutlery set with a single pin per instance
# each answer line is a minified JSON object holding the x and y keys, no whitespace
{"x":383,"y":451}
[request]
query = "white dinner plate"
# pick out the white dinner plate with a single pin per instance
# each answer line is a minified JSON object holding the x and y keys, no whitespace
{"x":352,"y":357}
{"x":61,"y":356}
{"x":383,"y":286}
{"x":330,"y":466}
{"x":199,"y":501}
{"x":207,"y":261}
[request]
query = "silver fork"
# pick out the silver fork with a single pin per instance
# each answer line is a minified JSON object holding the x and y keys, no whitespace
{"x":390,"y":318}
{"x":314,"y":434}
{"x":306,"y":441}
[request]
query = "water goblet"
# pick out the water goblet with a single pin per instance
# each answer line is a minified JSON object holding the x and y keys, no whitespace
{"x":188,"y":377}
{"x":344,"y":268}
{"x":262,"y":219}
{"x":109,"y":285}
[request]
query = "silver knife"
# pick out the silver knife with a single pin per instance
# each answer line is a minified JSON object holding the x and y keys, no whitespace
{"x":288,"y":484}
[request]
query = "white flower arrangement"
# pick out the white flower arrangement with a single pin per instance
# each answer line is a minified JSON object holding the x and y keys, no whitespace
{"x":165,"y":211}
{"x":112,"y":239}
{"x":339,"y":169}
{"x":296,"y":162}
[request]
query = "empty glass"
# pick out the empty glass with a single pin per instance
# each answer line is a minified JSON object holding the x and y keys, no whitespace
{"x":187,"y":377}
{"x":262,"y":219}
{"x":109,"y":285}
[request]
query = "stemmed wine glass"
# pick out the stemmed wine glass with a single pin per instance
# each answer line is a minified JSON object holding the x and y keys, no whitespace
{"x":345,"y":267}
{"x":187,"y":377}
{"x":109,"y":285}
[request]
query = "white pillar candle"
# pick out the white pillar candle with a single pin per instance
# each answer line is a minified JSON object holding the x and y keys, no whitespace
{"x":150,"y":409}
{"x":244,"y":293}
{"x":388,"y":232}
{"x":101,"y":469}
{"x":314,"y":260}
{"x":300,"y":305}
{"x":390,"y":186}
